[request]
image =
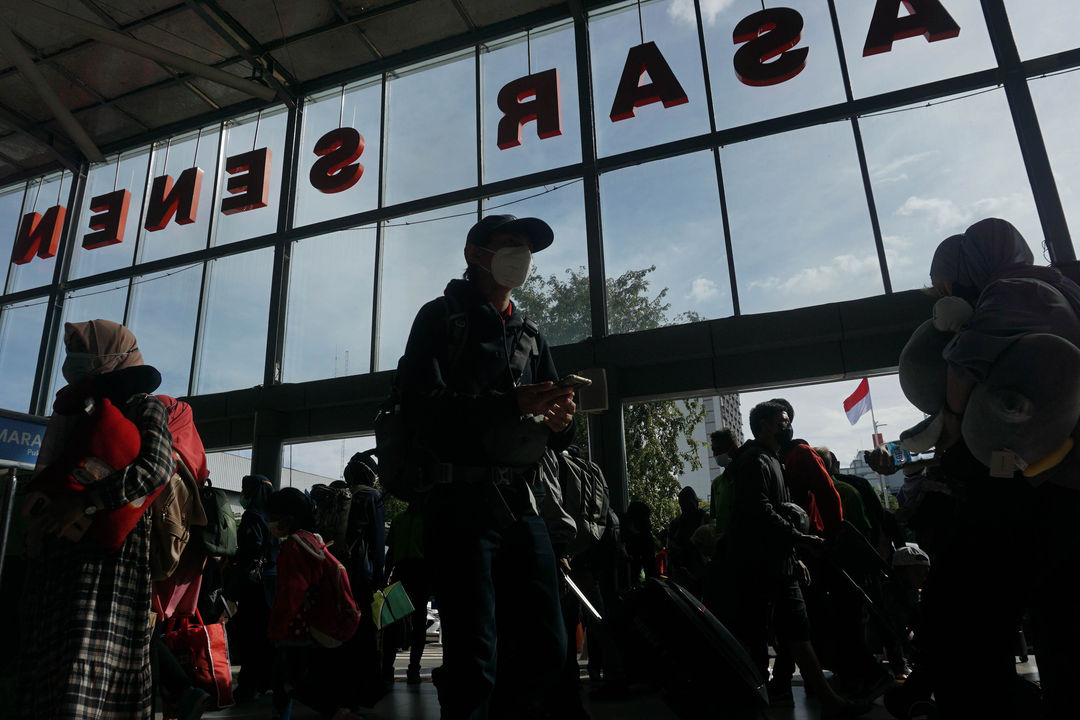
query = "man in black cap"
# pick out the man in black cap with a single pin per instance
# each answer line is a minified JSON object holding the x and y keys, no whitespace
{"x":478,"y":382}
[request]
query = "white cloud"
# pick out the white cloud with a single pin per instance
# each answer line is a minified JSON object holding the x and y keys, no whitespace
{"x":944,"y":214}
{"x":887,"y":172}
{"x":702,"y":289}
{"x":710,"y":9}
{"x":815,"y":280}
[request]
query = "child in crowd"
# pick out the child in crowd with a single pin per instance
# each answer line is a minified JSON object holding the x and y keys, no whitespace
{"x":300,"y":565}
{"x":911,"y":566}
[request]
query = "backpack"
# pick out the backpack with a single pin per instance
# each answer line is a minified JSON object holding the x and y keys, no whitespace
{"x":332,"y":516}
{"x":404,"y":462}
{"x":178,"y":507}
{"x":219,"y":535}
{"x":585,"y":497}
{"x":332,"y":614}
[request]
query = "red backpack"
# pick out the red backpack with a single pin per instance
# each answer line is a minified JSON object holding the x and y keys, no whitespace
{"x":331,"y":612}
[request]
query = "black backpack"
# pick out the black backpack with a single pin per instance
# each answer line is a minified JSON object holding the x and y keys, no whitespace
{"x":219,"y":534}
{"x":406,"y":467}
{"x":585,"y":497}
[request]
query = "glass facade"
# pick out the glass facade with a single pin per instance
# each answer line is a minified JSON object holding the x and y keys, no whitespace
{"x":742,"y":199}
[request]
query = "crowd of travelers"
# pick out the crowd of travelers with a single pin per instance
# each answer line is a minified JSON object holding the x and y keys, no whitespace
{"x":510,"y":530}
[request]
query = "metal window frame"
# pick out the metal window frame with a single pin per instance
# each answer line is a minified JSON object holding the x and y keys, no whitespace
{"x":1009,"y":72}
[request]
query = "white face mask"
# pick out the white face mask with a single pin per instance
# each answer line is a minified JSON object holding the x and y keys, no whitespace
{"x":510,"y":266}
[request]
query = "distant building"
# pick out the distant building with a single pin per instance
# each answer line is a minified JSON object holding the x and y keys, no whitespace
{"x":859,"y":467}
{"x":721,"y":411}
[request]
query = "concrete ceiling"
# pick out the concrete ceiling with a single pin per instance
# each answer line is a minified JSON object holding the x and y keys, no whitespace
{"x":79,"y":78}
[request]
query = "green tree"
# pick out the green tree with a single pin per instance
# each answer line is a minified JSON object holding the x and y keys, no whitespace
{"x":654,"y":460}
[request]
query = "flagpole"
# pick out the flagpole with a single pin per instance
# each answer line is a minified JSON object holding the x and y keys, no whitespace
{"x":873,"y":419}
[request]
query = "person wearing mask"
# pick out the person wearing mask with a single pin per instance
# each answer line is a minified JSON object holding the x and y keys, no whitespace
{"x":723,"y":446}
{"x":764,"y":571}
{"x":486,"y":403}
{"x":85,"y":612}
{"x":252,"y":584}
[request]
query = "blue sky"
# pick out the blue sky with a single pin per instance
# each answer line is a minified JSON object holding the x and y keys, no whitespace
{"x":799,"y":221}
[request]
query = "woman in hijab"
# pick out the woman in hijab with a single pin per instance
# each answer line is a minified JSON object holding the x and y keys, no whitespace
{"x":253,"y":581}
{"x":975,"y":597}
{"x":85,"y":615}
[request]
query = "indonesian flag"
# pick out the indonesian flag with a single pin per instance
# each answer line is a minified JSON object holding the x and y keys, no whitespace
{"x":858,"y":403}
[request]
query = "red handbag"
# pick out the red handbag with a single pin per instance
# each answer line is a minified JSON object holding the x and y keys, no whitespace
{"x":203,"y":652}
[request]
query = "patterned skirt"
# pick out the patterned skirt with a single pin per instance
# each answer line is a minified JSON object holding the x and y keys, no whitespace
{"x":85,"y":631}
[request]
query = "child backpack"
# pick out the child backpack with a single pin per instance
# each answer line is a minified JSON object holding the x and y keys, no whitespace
{"x":219,"y":535}
{"x":332,"y":614}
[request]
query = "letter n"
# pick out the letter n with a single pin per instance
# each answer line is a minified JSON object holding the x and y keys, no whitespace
{"x":38,"y":235}
{"x":927,"y":17}
{"x":533,"y":97}
{"x":632,"y":94}
{"x":180,"y":199}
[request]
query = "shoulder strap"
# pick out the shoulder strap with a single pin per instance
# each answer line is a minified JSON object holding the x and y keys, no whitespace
{"x":457,"y":329}
{"x":526,"y":347}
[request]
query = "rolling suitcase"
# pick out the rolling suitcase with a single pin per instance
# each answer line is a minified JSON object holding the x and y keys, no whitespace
{"x":668,"y":637}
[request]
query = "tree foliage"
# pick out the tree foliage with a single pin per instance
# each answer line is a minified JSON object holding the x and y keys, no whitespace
{"x":652,"y":430}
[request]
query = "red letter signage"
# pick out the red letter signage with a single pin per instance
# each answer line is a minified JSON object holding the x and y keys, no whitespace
{"x":335,"y":170}
{"x":38,"y":235}
{"x":518,"y":109}
{"x":632,"y":94}
{"x":927,"y":17}
{"x":111,"y":220}
{"x":167,"y":199}
{"x":251,"y":187}
{"x":767,"y":34}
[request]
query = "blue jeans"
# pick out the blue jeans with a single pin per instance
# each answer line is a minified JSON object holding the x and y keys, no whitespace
{"x":498,"y":600}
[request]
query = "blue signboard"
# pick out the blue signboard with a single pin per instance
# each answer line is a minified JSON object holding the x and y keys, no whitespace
{"x":20,"y":440}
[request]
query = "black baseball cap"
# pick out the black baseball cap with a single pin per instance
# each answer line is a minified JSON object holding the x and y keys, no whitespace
{"x":539,"y":232}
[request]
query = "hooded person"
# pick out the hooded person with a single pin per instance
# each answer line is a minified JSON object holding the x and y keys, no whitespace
{"x":1001,"y":383}
{"x":252,"y":583}
{"x":85,"y":612}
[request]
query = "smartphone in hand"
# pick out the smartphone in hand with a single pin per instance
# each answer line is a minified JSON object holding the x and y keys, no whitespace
{"x":573,"y":381}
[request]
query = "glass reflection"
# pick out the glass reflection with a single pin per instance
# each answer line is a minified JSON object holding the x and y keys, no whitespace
{"x":232,"y":346}
{"x":800,"y":225}
{"x":126,"y":172}
{"x":264,"y":130}
{"x":328,"y":329}
{"x":20,"y":343}
{"x":164,"y":307}
{"x":40,"y":196}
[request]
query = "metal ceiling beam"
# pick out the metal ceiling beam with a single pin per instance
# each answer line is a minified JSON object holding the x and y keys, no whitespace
{"x":138,"y":47}
{"x":344,"y":17}
{"x":232,"y":32}
{"x":464,"y":14}
{"x":15,"y":52}
{"x":21,"y":128}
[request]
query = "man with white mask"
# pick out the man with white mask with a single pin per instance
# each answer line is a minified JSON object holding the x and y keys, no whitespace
{"x":478,"y":384}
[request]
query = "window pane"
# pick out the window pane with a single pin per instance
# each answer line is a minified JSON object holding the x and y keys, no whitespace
{"x":228,"y":468}
{"x":241,"y":136}
{"x":819,"y":84}
{"x":163,"y":311}
{"x":41,"y":196}
{"x":20,"y":342}
{"x":328,"y":329}
{"x":421,"y":254}
{"x":11,"y":204}
{"x":360,"y":110}
{"x":1044,"y":27}
{"x":936,"y":170}
{"x":1055,"y":102}
{"x":509,"y":60}
{"x":431,"y":128}
{"x":800,"y":225}
{"x":305,"y":464}
{"x":105,"y":178}
{"x":232,"y":348}
{"x":913,"y":61}
{"x":104,"y":302}
{"x":556,"y":296}
{"x":193,"y":150}
{"x":663,"y":220}
{"x":671,"y":25}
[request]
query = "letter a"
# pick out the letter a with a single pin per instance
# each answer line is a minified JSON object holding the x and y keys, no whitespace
{"x":631,"y":94}
{"x":927,"y":17}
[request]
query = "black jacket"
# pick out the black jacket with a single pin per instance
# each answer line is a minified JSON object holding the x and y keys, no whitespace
{"x":455,"y":402}
{"x":760,"y":541}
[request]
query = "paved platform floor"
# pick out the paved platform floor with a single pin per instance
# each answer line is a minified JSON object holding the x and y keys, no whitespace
{"x":419,"y":702}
